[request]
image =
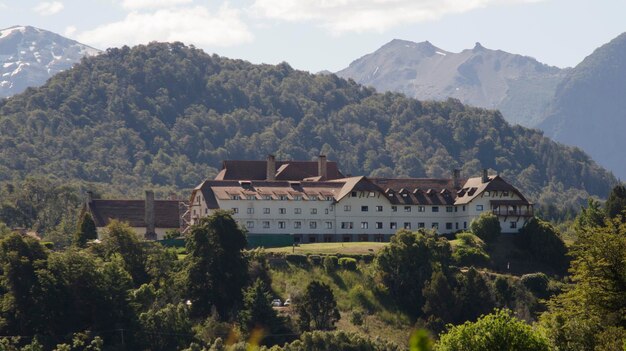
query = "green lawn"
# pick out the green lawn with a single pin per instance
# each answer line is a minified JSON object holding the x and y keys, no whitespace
{"x":332,"y":248}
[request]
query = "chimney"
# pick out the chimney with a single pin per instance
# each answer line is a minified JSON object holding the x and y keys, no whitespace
{"x":322,"y":170}
{"x":485,"y":178}
{"x":456,"y":178}
{"x":149,"y":215}
{"x":271,"y":168}
{"x":88,"y":199}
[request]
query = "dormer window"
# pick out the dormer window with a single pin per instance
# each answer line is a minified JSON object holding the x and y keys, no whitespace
{"x":235,"y":197}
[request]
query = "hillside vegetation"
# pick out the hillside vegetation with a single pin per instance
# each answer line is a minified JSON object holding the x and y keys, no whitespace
{"x":167,"y":114}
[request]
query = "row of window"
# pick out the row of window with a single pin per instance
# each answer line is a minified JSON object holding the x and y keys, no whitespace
{"x":282,"y":197}
{"x":364,"y":225}
{"x":282,"y":210}
{"x":379,"y":208}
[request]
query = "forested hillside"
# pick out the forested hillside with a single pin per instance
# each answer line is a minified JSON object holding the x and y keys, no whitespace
{"x":167,"y":114}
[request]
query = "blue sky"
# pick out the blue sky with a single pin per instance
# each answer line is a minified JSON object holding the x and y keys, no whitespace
{"x":328,"y":34}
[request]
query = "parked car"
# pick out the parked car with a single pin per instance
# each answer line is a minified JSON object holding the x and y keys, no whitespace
{"x":277,"y":303}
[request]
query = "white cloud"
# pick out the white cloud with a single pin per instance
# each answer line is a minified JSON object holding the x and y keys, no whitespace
{"x":339,"y":16}
{"x":69,"y":31}
{"x":47,"y":8}
{"x":3,"y":5}
{"x":152,"y":4}
{"x":190,"y":25}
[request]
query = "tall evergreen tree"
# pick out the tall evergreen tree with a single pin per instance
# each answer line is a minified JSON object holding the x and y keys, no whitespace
{"x":616,"y":203}
{"x":318,"y":308}
{"x":86,"y":230}
{"x":216,"y":269}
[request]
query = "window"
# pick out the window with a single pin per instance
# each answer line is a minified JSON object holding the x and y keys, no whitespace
{"x":463,"y":208}
{"x":464,"y":225}
{"x":266,"y":224}
{"x":235,"y":210}
{"x":487,"y":193}
{"x":297,"y":225}
{"x":394,"y":208}
{"x":393,"y":225}
{"x":281,"y":224}
{"x":479,"y":208}
{"x":449,"y":226}
{"x":329,"y":198}
{"x":297,"y":197}
{"x":407,"y":225}
{"x":250,"y":224}
{"x":449,"y":209}
{"x":456,"y":209}
{"x":379,"y":209}
{"x":379,"y":225}
{"x":250,"y":197}
{"x":421,"y":225}
{"x":435,"y":226}
{"x":206,"y":211}
{"x":329,"y":225}
{"x":194,"y":212}
{"x":421,"y":208}
{"x":456,"y":225}
{"x":435,"y":208}
{"x":347,"y":208}
{"x":505,"y":193}
{"x":407,"y":208}
{"x":283,"y":197}
{"x":372,"y":194}
{"x":364,"y":225}
{"x":354,"y":194}
{"x":513,"y":225}
{"x":266,"y":210}
{"x":347,"y":225}
{"x":267,"y":197}
{"x":235,"y":197}
{"x":282,"y":210}
{"x":313,"y":197}
{"x":365,"y":208}
{"x":297,"y":210}
{"x":313,"y":225}
{"x":250,"y":210}
{"x":314,"y":211}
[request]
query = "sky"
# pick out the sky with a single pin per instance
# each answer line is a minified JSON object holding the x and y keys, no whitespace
{"x":317,"y":35}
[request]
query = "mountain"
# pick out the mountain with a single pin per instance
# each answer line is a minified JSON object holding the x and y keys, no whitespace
{"x":29,"y":56}
{"x":519,"y":86}
{"x":589,"y":108}
{"x":167,"y":114}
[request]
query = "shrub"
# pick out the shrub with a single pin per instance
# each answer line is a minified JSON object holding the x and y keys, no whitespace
{"x":486,"y":227}
{"x":359,"y":297}
{"x":470,"y":256}
{"x":315,"y":260}
{"x":330,"y":263}
{"x":537,"y":283}
{"x":544,"y":243}
{"x":347,"y":263}
{"x":300,"y":260}
{"x":470,"y":240}
{"x":356,"y":317}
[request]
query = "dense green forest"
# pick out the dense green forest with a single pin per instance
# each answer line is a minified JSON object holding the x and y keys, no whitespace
{"x":165,"y":115}
{"x":416,"y":293}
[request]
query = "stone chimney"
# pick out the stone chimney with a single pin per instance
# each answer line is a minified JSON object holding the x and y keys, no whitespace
{"x":322,"y":170}
{"x":456,"y":178}
{"x":149,"y":216}
{"x":271,"y":167}
{"x":485,"y":177}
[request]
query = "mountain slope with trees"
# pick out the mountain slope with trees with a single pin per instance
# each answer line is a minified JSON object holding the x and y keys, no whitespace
{"x":167,"y":114}
{"x":589,"y":109}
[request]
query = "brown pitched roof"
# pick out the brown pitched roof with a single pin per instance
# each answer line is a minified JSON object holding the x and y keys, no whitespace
{"x":285,"y":170}
{"x":417,"y":191}
{"x":474,"y":187}
{"x":166,"y":212}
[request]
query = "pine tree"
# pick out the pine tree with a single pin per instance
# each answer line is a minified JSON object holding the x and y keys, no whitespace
{"x":86,"y":230}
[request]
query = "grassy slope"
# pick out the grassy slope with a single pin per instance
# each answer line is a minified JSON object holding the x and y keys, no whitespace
{"x":353,"y":291}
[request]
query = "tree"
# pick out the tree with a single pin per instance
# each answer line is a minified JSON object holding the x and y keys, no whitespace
{"x":439,"y":302}
{"x":616,"y":203}
{"x":257,"y":313}
{"x":4,"y":230}
{"x":544,"y":243}
{"x":407,"y":263}
{"x":86,"y":230}
{"x":473,"y":295}
{"x":317,"y":308}
{"x":120,"y":239}
{"x":167,"y":328}
{"x":216,"y":269}
{"x":499,"y":331}
{"x":591,"y":216}
{"x":486,"y":227}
